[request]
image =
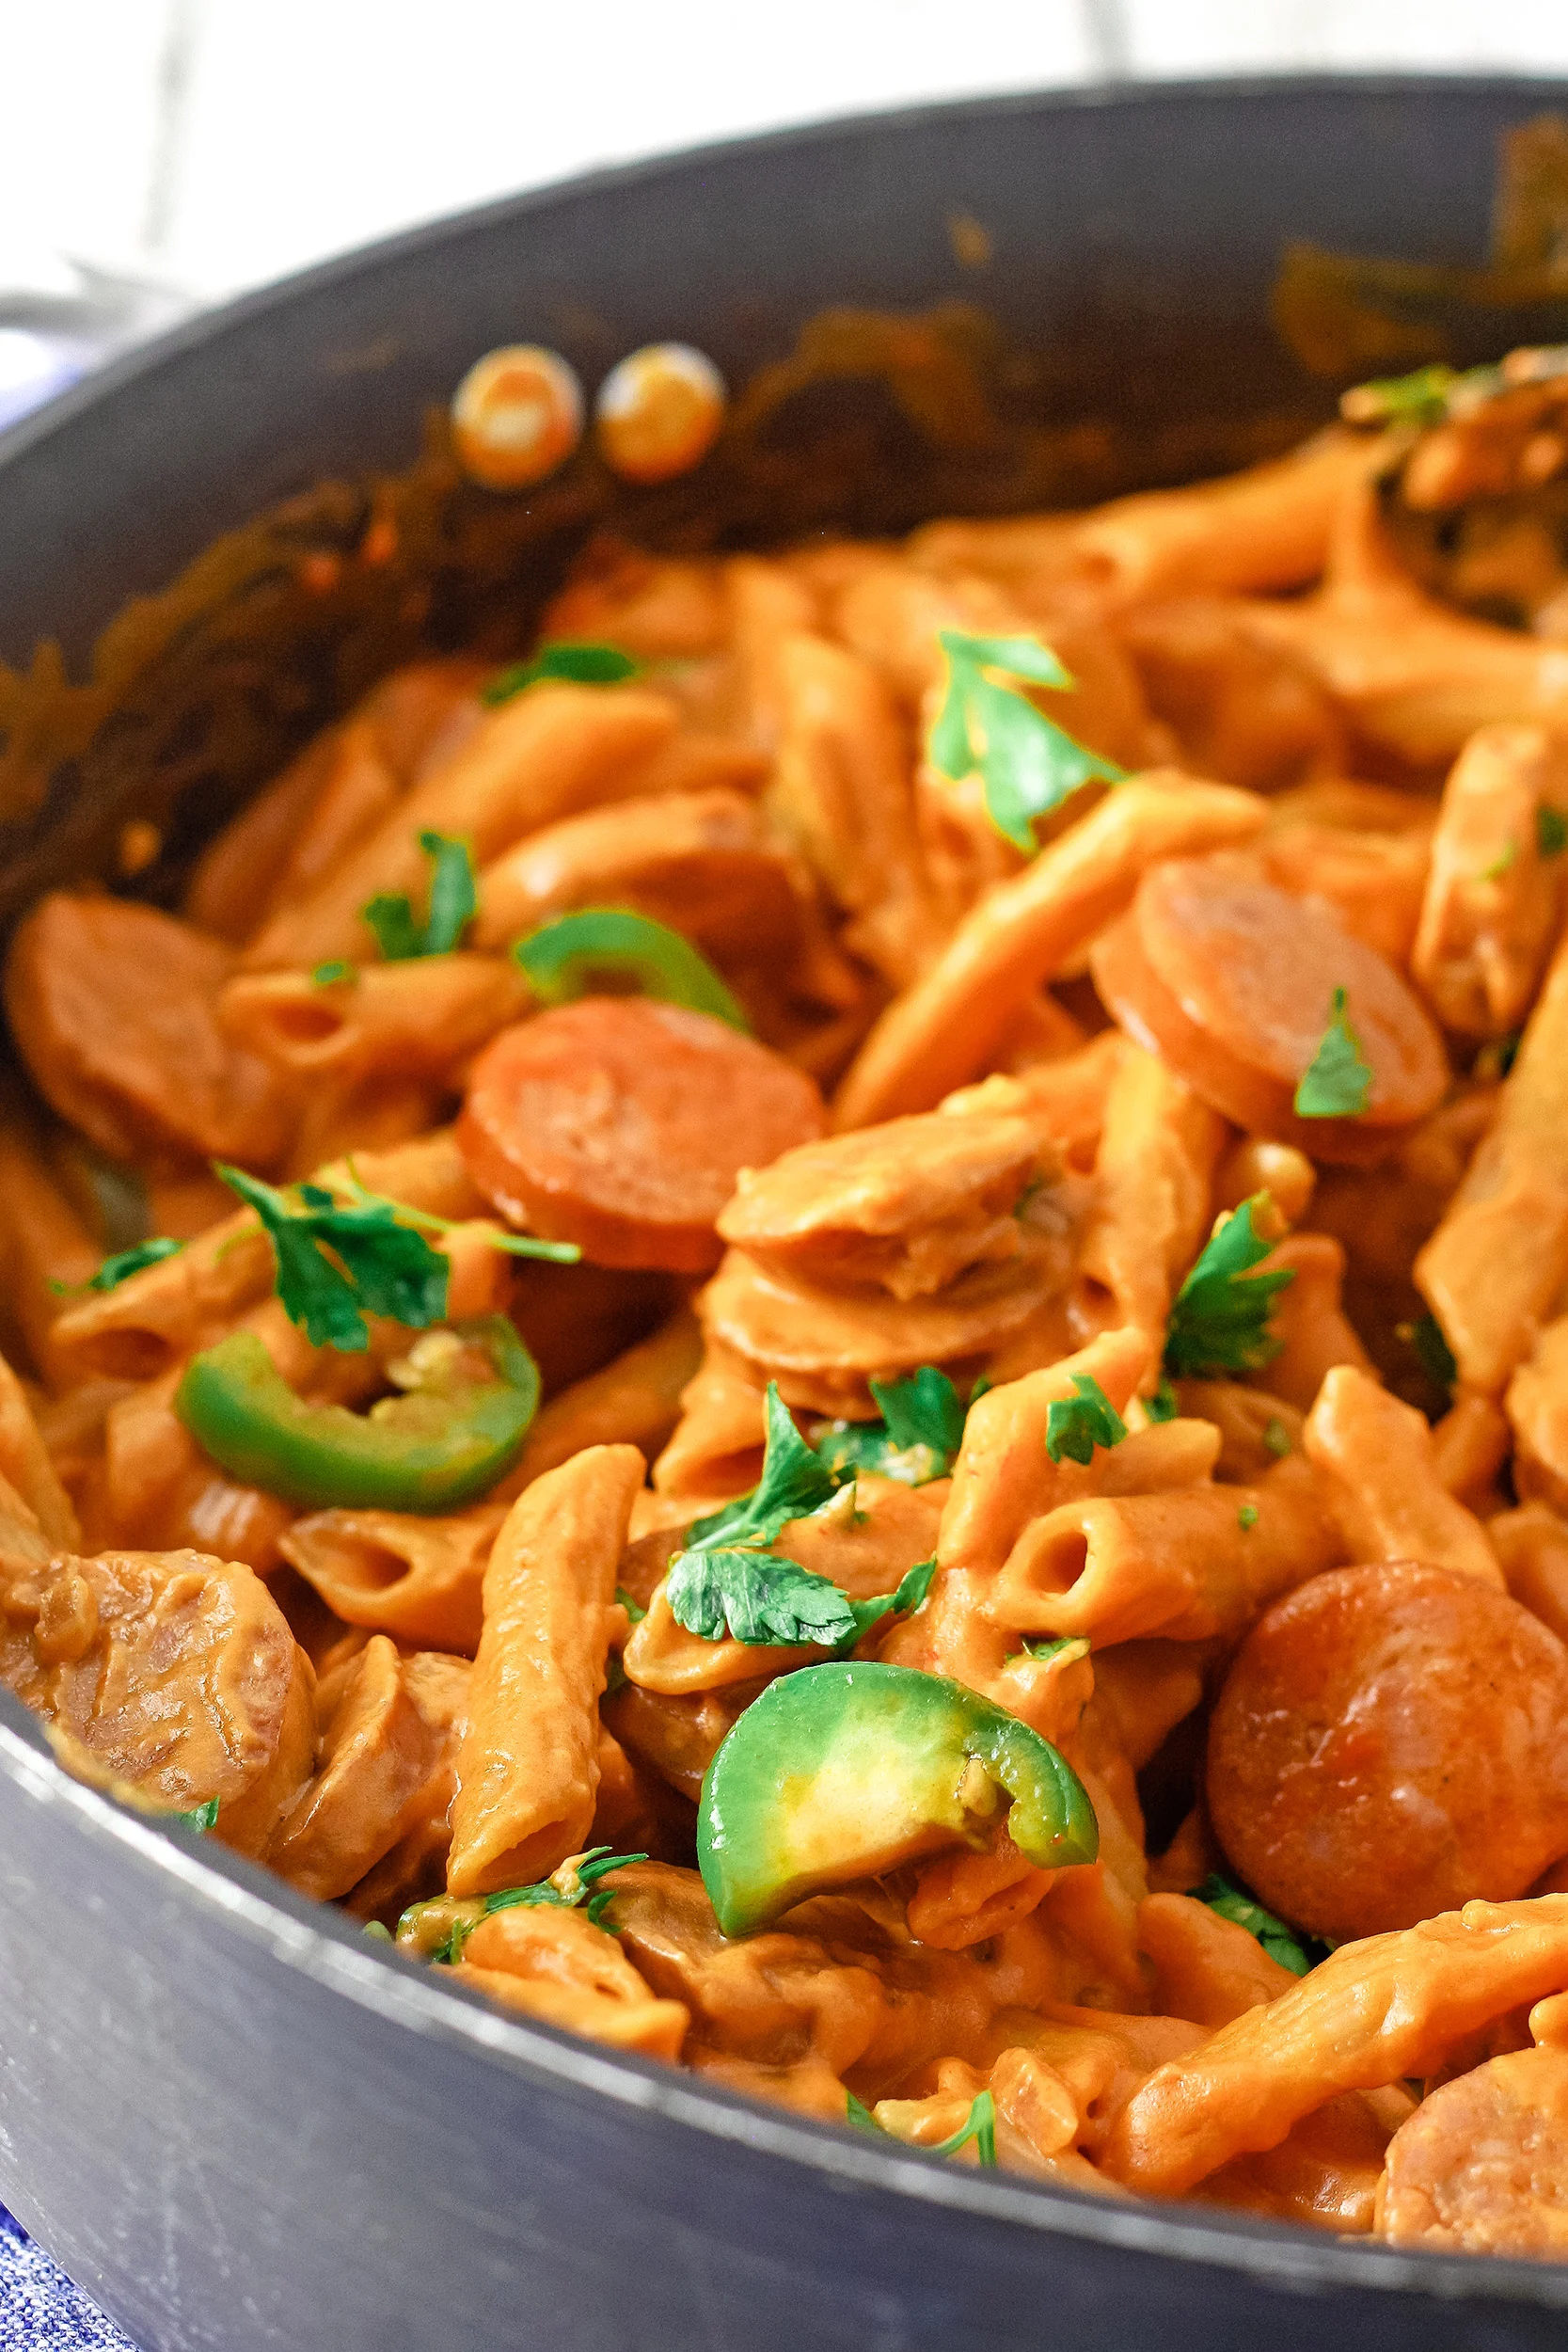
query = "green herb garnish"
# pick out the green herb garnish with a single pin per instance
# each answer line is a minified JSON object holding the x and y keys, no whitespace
{"x":726,"y":1581}
{"x":336,"y":969}
{"x":1551,"y":831}
{"x":580,"y":662}
{"x":1504,"y":863}
{"x":1296,"y":1953}
{"x":1276,"y":1437}
{"x":1419,"y":398}
{"x":454,"y":900}
{"x":916,"y":1440}
{"x":1337,"y":1082}
{"x":758,"y":1598}
{"x":1433,"y":1352}
{"x":1028,"y":764}
{"x":634,"y":1609}
{"x":1075,"y":1425}
{"x":978,"y":2125}
{"x":336,"y":1262}
{"x":574,"y":1883}
{"x":795,"y":1481}
{"x":1163,"y":1405}
{"x":201,"y":1818}
{"x":1052,"y":1645}
{"x":120,"y":1267}
{"x":1246,"y":1518}
{"x":1220,"y":1321}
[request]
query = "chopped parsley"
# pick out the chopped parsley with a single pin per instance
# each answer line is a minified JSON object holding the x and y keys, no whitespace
{"x":916,"y":1440}
{"x":1246,"y":1518}
{"x":795,"y":1481}
{"x":1053,"y":1646}
{"x":759,"y":1597}
{"x":1299,"y":1954}
{"x":337,"y":1264}
{"x":1028,"y":764}
{"x":335,"y":971}
{"x":577,"y":1881}
{"x":1220,"y":1321}
{"x":727,"y":1583}
{"x":577,"y":661}
{"x":120,"y":1267}
{"x":1276,"y":1437}
{"x":1075,"y":1425}
{"x":1164,"y":1403}
{"x":452,"y":903}
{"x":201,"y":1818}
{"x":1551,"y":831}
{"x":1337,"y":1083}
{"x":1433,"y":1352}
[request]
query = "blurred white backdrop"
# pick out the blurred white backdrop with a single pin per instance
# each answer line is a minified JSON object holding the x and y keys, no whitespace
{"x":214,"y":143}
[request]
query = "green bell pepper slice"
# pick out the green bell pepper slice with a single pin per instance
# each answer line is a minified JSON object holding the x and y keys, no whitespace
{"x":845,"y":1770}
{"x":444,"y":1442}
{"x":561,"y":957}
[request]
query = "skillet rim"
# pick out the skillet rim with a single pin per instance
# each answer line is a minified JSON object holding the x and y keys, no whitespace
{"x":315,"y":1940}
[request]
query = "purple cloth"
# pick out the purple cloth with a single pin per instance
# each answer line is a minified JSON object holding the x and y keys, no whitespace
{"x":39,"y":2308}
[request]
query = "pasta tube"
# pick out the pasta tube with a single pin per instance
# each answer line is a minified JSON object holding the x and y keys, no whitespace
{"x":1373,"y":2012}
{"x":938,"y":1034}
{"x":1492,"y":1271}
{"x":1153,"y":1175}
{"x":552,"y":750}
{"x":1189,"y":1565}
{"x":1377,"y":1469}
{"x":529,"y":1768}
{"x":1493,"y":902}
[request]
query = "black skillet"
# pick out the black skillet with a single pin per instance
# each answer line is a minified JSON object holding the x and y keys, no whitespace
{"x":236,"y":2123}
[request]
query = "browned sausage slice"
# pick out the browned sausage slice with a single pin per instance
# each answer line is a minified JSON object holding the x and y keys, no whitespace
{"x":1388,"y":1745}
{"x":1256,"y":970}
{"x":622,"y":1125}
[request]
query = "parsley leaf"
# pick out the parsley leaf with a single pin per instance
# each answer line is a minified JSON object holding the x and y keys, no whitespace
{"x":376,"y":1264}
{"x":1052,"y":1646}
{"x":795,"y":1481}
{"x":128,"y":1262}
{"x":1028,"y":764}
{"x":454,"y":901}
{"x":1276,"y":1437}
{"x":727,"y":1584}
{"x":1299,"y":1954}
{"x":1337,"y":1082}
{"x":916,"y":1440}
{"x":1075,"y":1425}
{"x":1419,"y":398}
{"x":1246,"y":1518}
{"x":1434,"y":1354}
{"x":201,"y":1818}
{"x":1220,"y":1323}
{"x":1164,"y":1403}
{"x":1551,"y":831}
{"x":634,"y":1609}
{"x":579,"y":660}
{"x":335,"y":972}
{"x":755,"y":1597}
{"x":510,"y":1245}
{"x":576,"y":1882}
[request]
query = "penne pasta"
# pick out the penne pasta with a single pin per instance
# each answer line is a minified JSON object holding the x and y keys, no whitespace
{"x":528,"y":1769}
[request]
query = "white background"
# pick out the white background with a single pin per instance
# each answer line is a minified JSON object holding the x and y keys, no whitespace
{"x":219,"y":142}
